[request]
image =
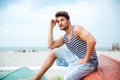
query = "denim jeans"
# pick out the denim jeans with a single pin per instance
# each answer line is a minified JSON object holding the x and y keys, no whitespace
{"x":75,"y":71}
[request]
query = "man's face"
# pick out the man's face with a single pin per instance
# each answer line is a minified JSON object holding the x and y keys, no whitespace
{"x":62,"y":22}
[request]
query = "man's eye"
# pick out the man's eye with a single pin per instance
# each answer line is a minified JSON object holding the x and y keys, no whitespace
{"x":62,"y":20}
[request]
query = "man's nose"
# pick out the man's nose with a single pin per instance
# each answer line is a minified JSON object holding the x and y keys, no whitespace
{"x":60,"y":23}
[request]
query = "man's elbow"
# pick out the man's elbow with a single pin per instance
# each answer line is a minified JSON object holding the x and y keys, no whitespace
{"x":93,"y":41}
{"x":50,"y":47}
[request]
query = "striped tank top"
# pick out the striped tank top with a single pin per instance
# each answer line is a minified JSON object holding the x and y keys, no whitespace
{"x":79,"y":48}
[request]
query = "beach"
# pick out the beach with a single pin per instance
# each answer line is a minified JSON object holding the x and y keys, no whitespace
{"x":13,"y":60}
{"x":10,"y":61}
{"x":22,"y":59}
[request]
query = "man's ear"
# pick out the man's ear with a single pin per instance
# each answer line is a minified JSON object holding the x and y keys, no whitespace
{"x":69,"y":20}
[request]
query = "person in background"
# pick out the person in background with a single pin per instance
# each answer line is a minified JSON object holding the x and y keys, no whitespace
{"x":80,"y":54}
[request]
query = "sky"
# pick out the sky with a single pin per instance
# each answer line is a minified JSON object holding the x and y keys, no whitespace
{"x":25,"y":23}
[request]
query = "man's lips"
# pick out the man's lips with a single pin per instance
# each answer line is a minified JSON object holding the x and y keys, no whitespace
{"x":61,"y":26}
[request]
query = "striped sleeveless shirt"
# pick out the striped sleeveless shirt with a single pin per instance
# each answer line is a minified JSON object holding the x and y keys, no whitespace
{"x":79,"y":48}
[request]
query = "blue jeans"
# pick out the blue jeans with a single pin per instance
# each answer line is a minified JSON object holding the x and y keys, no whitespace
{"x":75,"y":71}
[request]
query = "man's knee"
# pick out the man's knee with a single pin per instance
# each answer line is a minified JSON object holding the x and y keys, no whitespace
{"x":60,"y":61}
{"x":52,"y":54}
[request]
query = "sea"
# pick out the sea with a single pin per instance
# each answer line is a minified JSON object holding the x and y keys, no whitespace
{"x":23,"y":49}
{"x":37,"y":49}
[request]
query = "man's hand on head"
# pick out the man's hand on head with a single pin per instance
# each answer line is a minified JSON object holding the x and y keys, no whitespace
{"x":53,"y":22}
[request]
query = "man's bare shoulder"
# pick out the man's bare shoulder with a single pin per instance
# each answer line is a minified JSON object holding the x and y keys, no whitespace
{"x":78,"y":28}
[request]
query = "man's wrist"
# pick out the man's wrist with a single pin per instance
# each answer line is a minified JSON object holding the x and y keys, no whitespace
{"x":86,"y":60}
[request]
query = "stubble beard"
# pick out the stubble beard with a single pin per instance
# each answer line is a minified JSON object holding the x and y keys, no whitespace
{"x":65,"y":28}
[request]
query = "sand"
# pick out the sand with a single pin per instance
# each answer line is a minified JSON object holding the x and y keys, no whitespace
{"x":35,"y":59}
{"x":14,"y":60}
{"x":22,"y":59}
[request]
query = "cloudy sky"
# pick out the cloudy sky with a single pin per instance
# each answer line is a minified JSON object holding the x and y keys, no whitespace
{"x":26,"y":22}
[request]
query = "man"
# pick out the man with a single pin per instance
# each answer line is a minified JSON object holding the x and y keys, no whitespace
{"x":80,"y":55}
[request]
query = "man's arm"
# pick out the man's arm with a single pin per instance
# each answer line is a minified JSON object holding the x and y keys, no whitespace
{"x":51,"y":56}
{"x":51,"y":42}
{"x":89,"y":39}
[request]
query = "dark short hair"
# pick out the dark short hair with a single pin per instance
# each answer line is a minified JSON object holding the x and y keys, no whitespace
{"x":62,"y":13}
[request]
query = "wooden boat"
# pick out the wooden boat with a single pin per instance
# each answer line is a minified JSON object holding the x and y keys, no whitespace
{"x":108,"y":69}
